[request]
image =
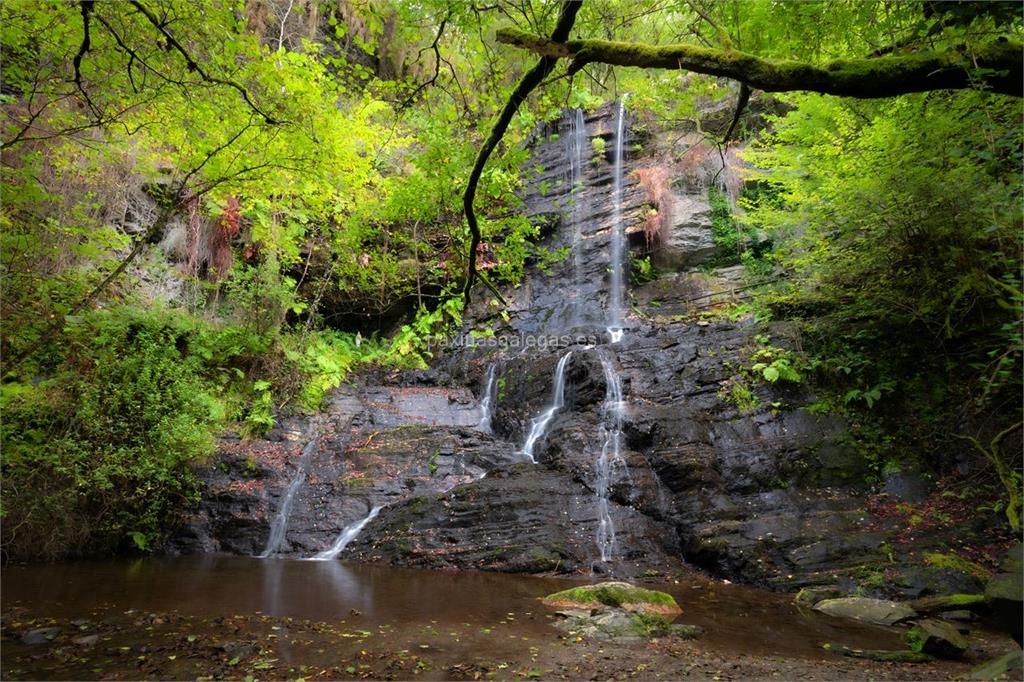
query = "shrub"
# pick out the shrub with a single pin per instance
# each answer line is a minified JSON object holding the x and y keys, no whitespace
{"x":95,"y":457}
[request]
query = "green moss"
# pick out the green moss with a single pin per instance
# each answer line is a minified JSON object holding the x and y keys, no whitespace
{"x":615,"y":594}
{"x":651,"y":624}
{"x":956,"y":562}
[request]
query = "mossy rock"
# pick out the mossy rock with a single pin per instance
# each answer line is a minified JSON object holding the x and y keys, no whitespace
{"x":617,"y":594}
{"x":609,"y":622}
{"x":886,"y":655}
{"x":936,"y":638}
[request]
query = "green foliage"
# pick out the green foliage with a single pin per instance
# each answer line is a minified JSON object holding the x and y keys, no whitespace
{"x":96,"y":456}
{"x":731,"y":237}
{"x":323,"y":359}
{"x":642,"y":271}
{"x":897,"y":223}
{"x":738,"y":394}
{"x":775,"y":364}
{"x":412,"y":343}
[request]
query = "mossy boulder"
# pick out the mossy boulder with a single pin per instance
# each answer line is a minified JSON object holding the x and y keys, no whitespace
{"x":615,"y":594}
{"x":937,"y":638}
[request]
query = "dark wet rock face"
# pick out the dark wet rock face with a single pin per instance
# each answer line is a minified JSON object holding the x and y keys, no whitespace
{"x":523,"y":520}
{"x":375,"y":446}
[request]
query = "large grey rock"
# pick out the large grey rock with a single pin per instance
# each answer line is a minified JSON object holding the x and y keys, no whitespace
{"x":689,"y":239}
{"x":878,"y":611}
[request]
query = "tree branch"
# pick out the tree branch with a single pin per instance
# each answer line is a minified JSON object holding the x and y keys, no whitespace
{"x":191,"y":63}
{"x":741,"y":104}
{"x":86,"y":7}
{"x":530,"y":80}
{"x":998,"y":66}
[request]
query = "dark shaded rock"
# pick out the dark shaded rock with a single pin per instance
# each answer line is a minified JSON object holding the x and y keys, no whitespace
{"x":937,"y":638}
{"x":1004,"y":593}
{"x":523,"y":520}
{"x":375,"y":446}
{"x":1007,"y":667}
{"x":878,"y":611}
{"x":906,"y":484}
{"x":917,"y":580}
{"x":40,"y":635}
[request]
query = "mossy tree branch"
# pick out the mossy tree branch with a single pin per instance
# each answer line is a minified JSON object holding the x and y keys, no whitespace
{"x":1007,"y":475}
{"x":997,"y":66}
{"x":532,"y":78}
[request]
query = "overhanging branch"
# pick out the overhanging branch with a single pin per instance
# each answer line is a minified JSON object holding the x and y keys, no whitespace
{"x":532,"y":78}
{"x":997,"y":66}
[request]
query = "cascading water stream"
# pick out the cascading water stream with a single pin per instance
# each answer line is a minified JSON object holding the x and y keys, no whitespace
{"x":576,"y":141}
{"x":612,"y":413}
{"x":486,"y":404}
{"x":540,"y":423}
{"x":348,"y":534}
{"x":615,"y":294}
{"x":280,"y":525}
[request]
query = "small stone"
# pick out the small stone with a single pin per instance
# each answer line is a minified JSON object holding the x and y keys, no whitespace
{"x":40,"y":635}
{"x":87,"y":640}
{"x":686,"y":631}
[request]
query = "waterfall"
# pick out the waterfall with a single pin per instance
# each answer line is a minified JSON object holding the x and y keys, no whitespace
{"x":576,"y":142}
{"x":280,"y":525}
{"x":486,"y":404}
{"x":348,"y":534}
{"x":540,"y":423}
{"x":612,"y":413}
{"x":615,"y":295}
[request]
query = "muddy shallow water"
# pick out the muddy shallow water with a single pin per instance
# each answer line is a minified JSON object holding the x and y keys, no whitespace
{"x":189,"y":616}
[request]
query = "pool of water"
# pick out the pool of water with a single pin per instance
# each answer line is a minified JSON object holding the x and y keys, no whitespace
{"x":736,"y":618}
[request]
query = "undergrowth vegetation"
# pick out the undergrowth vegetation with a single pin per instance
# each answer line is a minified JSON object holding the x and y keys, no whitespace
{"x":897,"y":224}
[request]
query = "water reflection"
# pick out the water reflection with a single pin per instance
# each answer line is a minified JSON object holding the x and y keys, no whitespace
{"x":368,"y":596}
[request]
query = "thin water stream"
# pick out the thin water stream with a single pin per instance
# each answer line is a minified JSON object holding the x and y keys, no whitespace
{"x":279,"y":527}
{"x":576,"y":143}
{"x":615,"y":330}
{"x":487,"y":403}
{"x":539,"y":424}
{"x":609,"y":456}
{"x":348,"y":534}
